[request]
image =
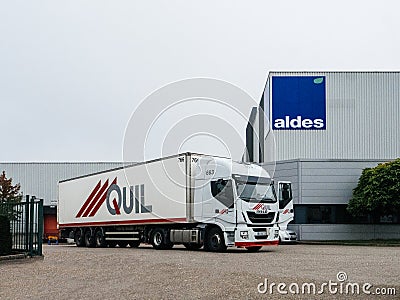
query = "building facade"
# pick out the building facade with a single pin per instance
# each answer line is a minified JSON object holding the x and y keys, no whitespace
{"x":322,"y":129}
{"x":319,"y":129}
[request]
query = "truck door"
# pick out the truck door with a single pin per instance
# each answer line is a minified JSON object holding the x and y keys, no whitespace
{"x":285,"y":197}
{"x":223,"y":201}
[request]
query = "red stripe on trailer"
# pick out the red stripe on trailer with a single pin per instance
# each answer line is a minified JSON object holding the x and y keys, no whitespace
{"x":286,"y":211}
{"x":256,"y":244}
{"x":89,"y":199}
{"x":96,"y":199}
{"x":127,"y":222}
{"x":101,"y":201}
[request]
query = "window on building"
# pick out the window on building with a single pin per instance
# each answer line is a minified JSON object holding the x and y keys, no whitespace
{"x":336,"y":214}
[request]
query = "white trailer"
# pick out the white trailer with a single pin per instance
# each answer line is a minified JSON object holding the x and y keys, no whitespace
{"x":191,"y":199}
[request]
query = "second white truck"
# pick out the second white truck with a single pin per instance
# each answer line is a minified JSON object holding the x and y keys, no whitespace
{"x":191,"y":199}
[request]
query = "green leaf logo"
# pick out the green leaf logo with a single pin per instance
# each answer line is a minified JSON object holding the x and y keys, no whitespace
{"x":318,"y":80}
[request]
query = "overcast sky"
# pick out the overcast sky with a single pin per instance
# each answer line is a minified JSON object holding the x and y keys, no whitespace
{"x":72,"y":72}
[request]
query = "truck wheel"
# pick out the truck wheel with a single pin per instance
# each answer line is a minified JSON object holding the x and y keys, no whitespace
{"x":79,"y":240}
{"x":89,"y":239}
{"x":253,"y":249}
{"x":158,"y":240}
{"x":122,"y":244}
{"x":100,"y":239}
{"x":134,"y":244}
{"x":191,"y":246}
{"x":214,"y":240}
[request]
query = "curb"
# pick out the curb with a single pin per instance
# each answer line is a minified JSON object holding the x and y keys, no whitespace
{"x":13,"y":256}
{"x":347,"y":244}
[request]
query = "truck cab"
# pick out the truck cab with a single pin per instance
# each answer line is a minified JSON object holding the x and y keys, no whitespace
{"x":238,"y":198}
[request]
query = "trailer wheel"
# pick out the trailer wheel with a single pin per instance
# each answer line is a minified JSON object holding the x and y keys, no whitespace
{"x":159,"y":240}
{"x":214,"y":240}
{"x":89,"y":239}
{"x":79,"y":240}
{"x":100,"y":239}
{"x":191,"y":246}
{"x":134,"y":244}
{"x":253,"y":249}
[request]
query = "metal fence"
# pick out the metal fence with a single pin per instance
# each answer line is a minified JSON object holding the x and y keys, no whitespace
{"x":26,"y":224}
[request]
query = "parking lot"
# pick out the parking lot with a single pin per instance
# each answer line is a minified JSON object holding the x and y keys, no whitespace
{"x":69,"y":272}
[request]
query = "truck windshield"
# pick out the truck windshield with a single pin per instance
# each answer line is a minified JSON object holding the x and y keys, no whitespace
{"x":255,"y":191}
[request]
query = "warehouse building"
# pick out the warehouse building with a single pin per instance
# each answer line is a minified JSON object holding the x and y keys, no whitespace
{"x":41,"y":180}
{"x":323,"y":129}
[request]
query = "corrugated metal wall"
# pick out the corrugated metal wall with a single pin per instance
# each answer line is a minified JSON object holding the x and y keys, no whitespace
{"x":362,"y":118}
{"x":41,"y":179}
{"x":330,"y":182}
{"x":322,"y":181}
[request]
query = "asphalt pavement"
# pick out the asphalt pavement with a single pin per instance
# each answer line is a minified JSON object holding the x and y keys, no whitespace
{"x":69,"y":272}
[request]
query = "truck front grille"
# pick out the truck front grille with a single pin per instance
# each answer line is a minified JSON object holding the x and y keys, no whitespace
{"x":261,"y":218}
{"x":257,"y":235}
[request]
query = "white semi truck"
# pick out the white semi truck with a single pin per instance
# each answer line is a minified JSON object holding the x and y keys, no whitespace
{"x":191,"y":199}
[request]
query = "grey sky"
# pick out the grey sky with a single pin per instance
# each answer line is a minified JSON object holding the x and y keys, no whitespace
{"x":71,"y":72}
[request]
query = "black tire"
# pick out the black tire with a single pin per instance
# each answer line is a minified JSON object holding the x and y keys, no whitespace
{"x":100,"y":239}
{"x":159,"y":240}
{"x":134,"y":244}
{"x":122,"y":244}
{"x":214,"y":240}
{"x":253,"y":249}
{"x":89,"y":239}
{"x":79,"y":239}
{"x":191,"y":246}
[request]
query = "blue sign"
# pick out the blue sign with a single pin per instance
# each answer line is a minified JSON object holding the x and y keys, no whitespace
{"x":298,"y":103}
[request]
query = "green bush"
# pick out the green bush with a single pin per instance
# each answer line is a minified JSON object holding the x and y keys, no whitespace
{"x":378,"y":191}
{"x":5,"y":236}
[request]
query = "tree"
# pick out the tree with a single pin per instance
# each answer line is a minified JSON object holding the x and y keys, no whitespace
{"x":377,"y":192}
{"x":9,"y":193}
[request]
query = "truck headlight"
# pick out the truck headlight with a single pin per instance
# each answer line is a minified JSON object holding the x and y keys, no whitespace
{"x":244,"y":235}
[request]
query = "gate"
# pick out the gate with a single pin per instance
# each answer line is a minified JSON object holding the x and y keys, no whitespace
{"x":26,"y":224}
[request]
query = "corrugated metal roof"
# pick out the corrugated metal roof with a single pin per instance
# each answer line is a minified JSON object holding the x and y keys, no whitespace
{"x":41,"y":179}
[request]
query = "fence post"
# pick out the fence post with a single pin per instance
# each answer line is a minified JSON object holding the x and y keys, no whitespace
{"x":40,"y":227}
{"x":26,"y":204}
{"x":31,"y":221}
